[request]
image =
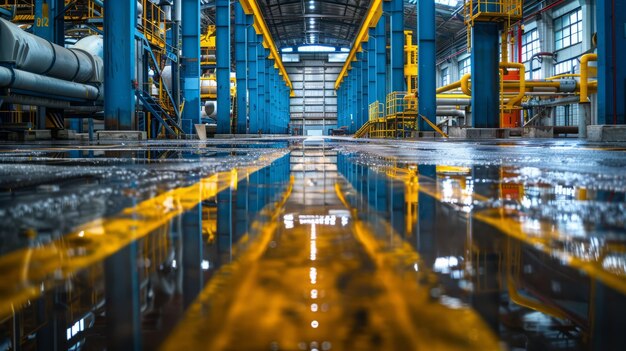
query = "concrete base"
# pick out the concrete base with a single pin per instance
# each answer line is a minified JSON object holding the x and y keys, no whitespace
{"x":606,"y":133}
{"x":478,"y":133}
{"x":64,"y":134}
{"x":539,"y":132}
{"x":37,"y":134}
{"x":82,"y":136}
{"x":425,"y":135}
{"x":121,"y":135}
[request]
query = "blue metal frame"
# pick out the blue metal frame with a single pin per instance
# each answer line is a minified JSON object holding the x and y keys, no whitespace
{"x":261,"y":68}
{"x":222,"y":43}
{"x":241,"y":54}
{"x":396,"y":17}
{"x":190,"y":63}
{"x":381,"y":60}
{"x":611,"y":56}
{"x":364,"y":82}
{"x":371,"y":63}
{"x":427,"y":95}
{"x":485,"y":75}
{"x":357,"y":72}
{"x":119,"y":65}
{"x":252,"y":76}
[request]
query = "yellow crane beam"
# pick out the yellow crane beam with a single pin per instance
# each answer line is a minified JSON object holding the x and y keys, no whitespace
{"x":371,"y":19}
{"x":250,"y":7}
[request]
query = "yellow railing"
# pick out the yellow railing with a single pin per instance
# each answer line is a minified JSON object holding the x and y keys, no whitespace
{"x":376,"y":110}
{"x":19,"y":116}
{"x":152,"y":23}
{"x":399,"y":102}
{"x":492,"y":10}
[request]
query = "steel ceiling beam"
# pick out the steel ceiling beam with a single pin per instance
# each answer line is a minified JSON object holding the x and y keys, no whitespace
{"x":372,"y":16}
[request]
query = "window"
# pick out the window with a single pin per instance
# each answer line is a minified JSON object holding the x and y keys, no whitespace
{"x":530,"y":46}
{"x":567,"y":115}
{"x":568,"y":29}
{"x":445,"y":76}
{"x":465,"y":66}
{"x":566,"y":66}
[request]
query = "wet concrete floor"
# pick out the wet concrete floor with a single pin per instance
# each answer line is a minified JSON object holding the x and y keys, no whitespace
{"x":313,"y":244}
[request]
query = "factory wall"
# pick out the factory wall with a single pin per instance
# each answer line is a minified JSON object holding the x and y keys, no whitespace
{"x":565,"y":30}
{"x":314,"y":103}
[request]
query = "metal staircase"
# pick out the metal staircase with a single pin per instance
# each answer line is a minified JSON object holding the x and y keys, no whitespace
{"x":156,"y":110}
{"x":364,"y":130}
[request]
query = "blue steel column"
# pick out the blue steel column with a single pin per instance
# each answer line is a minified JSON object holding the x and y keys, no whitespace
{"x":356,"y":71}
{"x":49,"y":21}
{"x":371,"y":63}
{"x":261,"y":85}
{"x":222,"y":43}
{"x":396,"y":16}
{"x":364,"y":81}
{"x":610,"y":19}
{"x":190,"y":63}
{"x":252,"y":76}
{"x":381,"y":60}
{"x":119,"y":65}
{"x":268,"y":107}
{"x":426,"y":84}
{"x":485,"y":76}
{"x":242,"y":69}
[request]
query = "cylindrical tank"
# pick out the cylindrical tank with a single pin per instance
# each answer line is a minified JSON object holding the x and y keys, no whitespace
{"x":210,"y":108}
{"x":208,"y":86}
{"x":18,"y":79}
{"x":30,"y":53}
{"x":92,"y":44}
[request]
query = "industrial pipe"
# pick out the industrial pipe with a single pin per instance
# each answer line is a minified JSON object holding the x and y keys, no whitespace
{"x":33,"y":54}
{"x":584,"y":76}
{"x":465,"y":84}
{"x":27,"y":81}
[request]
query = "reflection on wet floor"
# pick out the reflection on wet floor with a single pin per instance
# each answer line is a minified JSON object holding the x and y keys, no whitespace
{"x":322,"y":246}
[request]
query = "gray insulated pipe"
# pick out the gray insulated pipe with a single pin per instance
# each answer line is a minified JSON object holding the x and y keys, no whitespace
{"x":33,"y":54}
{"x":22,"y":80}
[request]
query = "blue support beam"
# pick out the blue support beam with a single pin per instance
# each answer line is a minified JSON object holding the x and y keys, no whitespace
{"x":381,"y":60}
{"x":485,"y":76}
{"x":49,"y":20}
{"x":371,"y":63}
{"x":611,"y":19}
{"x":396,"y":17}
{"x":119,"y":65}
{"x":268,"y":107}
{"x":426,"y":84}
{"x":261,"y":68}
{"x":252,"y":76}
{"x":357,"y":73}
{"x":190,"y":63}
{"x":241,"y":54}
{"x":222,"y":43}
{"x":364,"y":84}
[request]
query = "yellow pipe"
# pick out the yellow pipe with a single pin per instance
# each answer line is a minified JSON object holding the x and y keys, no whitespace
{"x":465,"y":84}
{"x":449,"y":87}
{"x":251,"y":7}
{"x":560,"y":76}
{"x":584,"y":76}
{"x":522,"y":82}
{"x":371,"y":18}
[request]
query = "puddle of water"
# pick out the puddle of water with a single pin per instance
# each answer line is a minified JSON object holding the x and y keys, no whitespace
{"x":325,"y":249}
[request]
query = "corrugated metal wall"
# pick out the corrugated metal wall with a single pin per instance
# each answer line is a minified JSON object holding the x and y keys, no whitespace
{"x":315,"y":100}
